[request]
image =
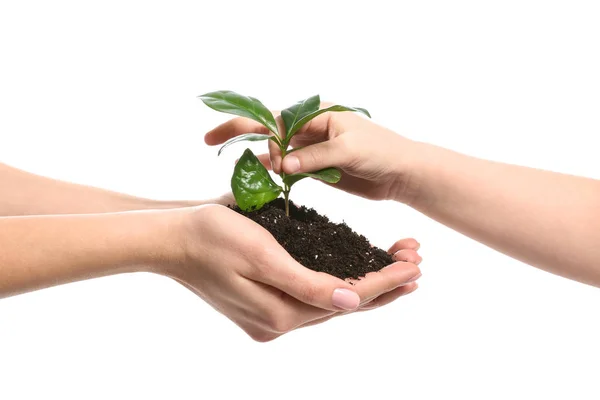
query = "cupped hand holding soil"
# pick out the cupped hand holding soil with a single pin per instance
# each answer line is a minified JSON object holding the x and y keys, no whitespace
{"x":241,"y":270}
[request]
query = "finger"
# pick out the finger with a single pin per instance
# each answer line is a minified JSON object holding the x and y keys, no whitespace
{"x":389,"y":297}
{"x":274,"y":149}
{"x":225,"y":200}
{"x":279,"y":312}
{"x":408,"y":255}
{"x":274,"y":157}
{"x":234,"y":127}
{"x":318,"y":156}
{"x":404,"y":244}
{"x":387,"y":279}
{"x":380,"y":301}
{"x":319,"y":321}
{"x":319,"y":126}
{"x":314,"y":288}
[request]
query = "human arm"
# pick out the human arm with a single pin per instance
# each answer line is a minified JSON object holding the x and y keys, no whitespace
{"x":530,"y":214}
{"x":229,"y":261}
{"x":24,"y":193}
{"x":526,"y":213}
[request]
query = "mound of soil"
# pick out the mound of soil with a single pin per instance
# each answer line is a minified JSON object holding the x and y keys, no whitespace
{"x":319,"y":244}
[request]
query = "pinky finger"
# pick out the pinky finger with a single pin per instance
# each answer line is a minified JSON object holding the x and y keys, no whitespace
{"x":410,"y":243}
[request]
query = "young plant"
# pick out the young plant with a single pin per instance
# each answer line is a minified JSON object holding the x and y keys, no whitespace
{"x":251,"y":183}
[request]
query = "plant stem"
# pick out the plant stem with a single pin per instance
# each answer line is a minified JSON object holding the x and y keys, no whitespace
{"x":286,"y":188}
{"x":286,"y":195}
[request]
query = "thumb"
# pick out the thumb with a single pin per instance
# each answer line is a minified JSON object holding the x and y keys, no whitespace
{"x":314,"y":288}
{"x":317,"y":156}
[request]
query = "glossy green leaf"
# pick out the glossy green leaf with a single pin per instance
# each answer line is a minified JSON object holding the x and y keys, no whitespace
{"x":233,"y":103}
{"x":301,"y":109}
{"x":329,"y":175}
{"x":337,"y":108}
{"x":251,"y":183}
{"x":252,"y":137}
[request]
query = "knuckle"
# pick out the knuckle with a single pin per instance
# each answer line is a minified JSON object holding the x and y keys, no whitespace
{"x":345,"y":143}
{"x":261,"y":270}
{"x":279,"y":321}
{"x":315,"y":156}
{"x":412,"y":243}
{"x":262,"y":336}
{"x":308,"y":293}
{"x":413,"y":269}
{"x":262,"y":259}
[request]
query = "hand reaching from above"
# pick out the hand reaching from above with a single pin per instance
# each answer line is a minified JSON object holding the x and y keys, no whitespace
{"x":367,"y":153}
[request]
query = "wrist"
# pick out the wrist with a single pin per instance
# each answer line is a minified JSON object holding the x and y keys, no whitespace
{"x":421,"y":165}
{"x":158,"y":239}
{"x":408,"y":160}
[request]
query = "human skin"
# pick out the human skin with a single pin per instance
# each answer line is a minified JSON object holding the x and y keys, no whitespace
{"x":229,"y":261}
{"x":32,"y":194}
{"x":526,"y":213}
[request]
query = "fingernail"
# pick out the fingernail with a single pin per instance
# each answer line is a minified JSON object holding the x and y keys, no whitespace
{"x":413,"y":289}
{"x":292,"y":164}
{"x":345,"y":299}
{"x":414,"y":278}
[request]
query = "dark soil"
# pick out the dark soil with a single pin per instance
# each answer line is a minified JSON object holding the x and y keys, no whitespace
{"x":319,"y":244}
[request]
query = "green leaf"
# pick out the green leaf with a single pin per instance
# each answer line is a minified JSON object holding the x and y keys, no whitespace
{"x":295,"y":149}
{"x":251,"y":183}
{"x":337,"y":108}
{"x":233,"y":103}
{"x":298,"y":111}
{"x":252,"y":137}
{"x":329,"y":175}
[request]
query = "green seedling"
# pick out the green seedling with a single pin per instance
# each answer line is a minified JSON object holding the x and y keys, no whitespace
{"x":251,"y":183}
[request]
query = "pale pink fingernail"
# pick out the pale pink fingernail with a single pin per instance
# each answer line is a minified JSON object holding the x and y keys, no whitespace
{"x":292,"y":164}
{"x":345,"y":299}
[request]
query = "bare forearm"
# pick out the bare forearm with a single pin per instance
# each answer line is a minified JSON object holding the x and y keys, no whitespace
{"x":24,"y":193}
{"x":42,"y":251}
{"x":526,"y":213}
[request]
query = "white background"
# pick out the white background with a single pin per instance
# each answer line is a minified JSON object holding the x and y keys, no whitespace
{"x":104,"y":93}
